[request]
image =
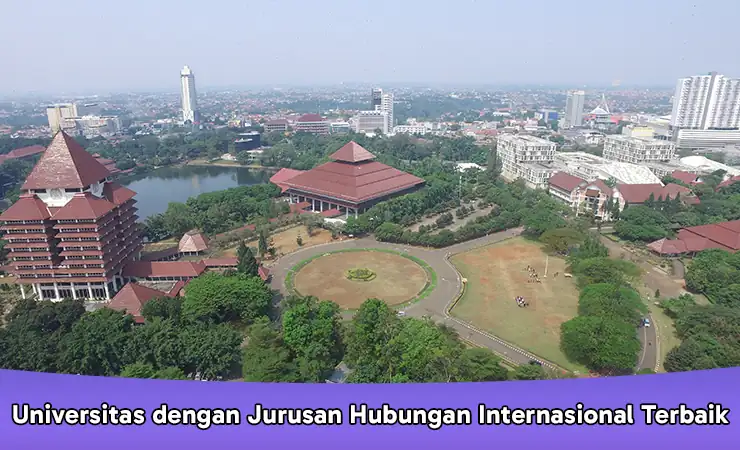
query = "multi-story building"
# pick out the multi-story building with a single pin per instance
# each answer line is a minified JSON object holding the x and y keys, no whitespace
{"x":637,"y":150}
{"x":410,"y":129}
{"x":312,"y":123}
{"x":376,"y":96}
{"x":696,"y":139}
{"x":386,"y":105}
{"x":371,"y":121}
{"x":340,"y":127}
{"x":72,"y":231}
{"x":638,"y":131}
{"x":277,"y":125}
{"x":91,"y":126}
{"x":574,"y":109}
{"x":583,"y":196}
{"x":706,"y":102}
{"x":526,"y":157}
{"x":57,"y":113}
{"x":189,"y":96}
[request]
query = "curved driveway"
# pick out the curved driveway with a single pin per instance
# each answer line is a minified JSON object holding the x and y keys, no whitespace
{"x":437,"y":304}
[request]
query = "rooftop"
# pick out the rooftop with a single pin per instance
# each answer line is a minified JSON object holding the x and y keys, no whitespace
{"x":145,"y":269}
{"x":132,"y":298}
{"x":65,"y":164}
{"x":352,"y":152}
{"x":193,"y":242}
{"x":310,"y":118}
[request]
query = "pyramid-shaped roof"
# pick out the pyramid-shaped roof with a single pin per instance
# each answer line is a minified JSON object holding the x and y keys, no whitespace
{"x":66,"y":165}
{"x":599,"y":111}
{"x":28,"y":207}
{"x":132,"y":298}
{"x":193,"y":241}
{"x":352,"y":152}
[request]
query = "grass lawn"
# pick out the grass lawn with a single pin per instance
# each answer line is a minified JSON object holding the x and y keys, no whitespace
{"x":496,"y":275}
{"x":398,"y":279}
{"x":285,"y":241}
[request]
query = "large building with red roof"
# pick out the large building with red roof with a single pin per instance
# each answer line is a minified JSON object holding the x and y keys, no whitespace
{"x":350,"y":183}
{"x":723,"y":235}
{"x":311,"y":123}
{"x":72,"y":231}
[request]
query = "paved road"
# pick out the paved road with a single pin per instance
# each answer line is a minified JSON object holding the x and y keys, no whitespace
{"x":437,"y":303}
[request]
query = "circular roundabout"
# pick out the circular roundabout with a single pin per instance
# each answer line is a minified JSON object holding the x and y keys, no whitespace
{"x":349,"y":277}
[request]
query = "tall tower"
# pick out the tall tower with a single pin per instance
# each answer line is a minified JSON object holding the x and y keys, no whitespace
{"x":189,"y":97}
{"x":574,"y":108}
{"x":376,"y":96}
{"x":705,"y":102}
{"x":386,"y":105}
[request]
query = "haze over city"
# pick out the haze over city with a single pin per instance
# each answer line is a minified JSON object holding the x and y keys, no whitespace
{"x":95,"y":46}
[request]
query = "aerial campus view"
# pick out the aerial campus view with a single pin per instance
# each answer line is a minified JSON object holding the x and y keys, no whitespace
{"x":370,"y":232}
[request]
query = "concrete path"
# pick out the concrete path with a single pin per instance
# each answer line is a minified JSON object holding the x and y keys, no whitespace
{"x":436,"y":305}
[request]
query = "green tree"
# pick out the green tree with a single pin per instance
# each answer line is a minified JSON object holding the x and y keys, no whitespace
{"x":481,"y":364}
{"x":369,"y":351}
{"x":247,"y":263}
{"x":138,"y":370}
{"x":611,"y":301}
{"x":96,"y":344}
{"x":218,"y":298}
{"x":561,"y":240}
{"x":312,"y":330}
{"x":529,"y":372}
{"x":157,"y":344}
{"x":605,"y":345}
{"x":211,"y":352}
{"x":266,"y":358}
{"x":606,"y":270}
{"x":170,"y":373}
{"x":262,"y":246}
{"x":165,"y":308}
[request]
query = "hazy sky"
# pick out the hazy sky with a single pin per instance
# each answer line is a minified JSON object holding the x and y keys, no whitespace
{"x":72,"y":45}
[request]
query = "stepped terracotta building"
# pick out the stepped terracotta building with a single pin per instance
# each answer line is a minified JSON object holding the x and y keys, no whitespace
{"x":73,"y":230}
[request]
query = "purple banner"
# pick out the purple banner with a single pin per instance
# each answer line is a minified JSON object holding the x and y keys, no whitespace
{"x":68,"y":392}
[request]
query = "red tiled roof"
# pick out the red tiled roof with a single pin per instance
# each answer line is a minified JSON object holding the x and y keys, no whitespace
{"x":132,"y":298}
{"x":726,"y":234}
{"x":28,"y":207}
{"x":310,"y":118}
{"x":144,"y":269}
{"x":221,"y":262}
{"x":639,"y":193}
{"x":331,"y":213}
{"x":686,"y":177}
{"x":264,"y":273}
{"x":565,"y":181}
{"x":354,"y":182}
{"x":65,"y":164}
{"x":176,"y":288}
{"x":729,"y":181}
{"x":602,"y":186}
{"x":84,"y":205}
{"x":193,"y":241}
{"x":160,"y":254}
{"x":117,"y":194}
{"x":284,"y":175}
{"x":26,"y":151}
{"x":668,"y":246}
{"x":352,"y":152}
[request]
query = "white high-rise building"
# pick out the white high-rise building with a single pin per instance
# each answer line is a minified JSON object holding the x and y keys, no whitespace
{"x":386,"y":105}
{"x":375,"y":98}
{"x":574,"y":109}
{"x":706,"y":102}
{"x":637,"y":150}
{"x":57,"y":113}
{"x":189,"y":97}
{"x":370,"y":121}
{"x":526,"y":157}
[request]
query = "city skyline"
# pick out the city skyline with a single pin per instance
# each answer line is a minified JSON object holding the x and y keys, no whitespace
{"x":419,"y":38}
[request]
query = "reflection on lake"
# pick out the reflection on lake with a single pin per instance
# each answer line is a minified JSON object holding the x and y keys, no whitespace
{"x":176,"y":184}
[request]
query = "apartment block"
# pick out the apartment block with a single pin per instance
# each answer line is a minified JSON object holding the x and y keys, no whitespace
{"x":526,"y":157}
{"x":637,"y":150}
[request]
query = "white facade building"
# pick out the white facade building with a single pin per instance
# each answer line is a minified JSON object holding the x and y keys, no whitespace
{"x":410,"y":129}
{"x":189,"y":96}
{"x":696,"y":139}
{"x":57,"y":113}
{"x":526,"y":157}
{"x":706,"y":101}
{"x":574,"y":109}
{"x":386,"y":105}
{"x":369,"y":121}
{"x":637,"y":150}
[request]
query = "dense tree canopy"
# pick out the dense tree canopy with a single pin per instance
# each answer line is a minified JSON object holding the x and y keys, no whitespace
{"x":612,"y":301}
{"x":221,"y":298}
{"x":600,"y":343}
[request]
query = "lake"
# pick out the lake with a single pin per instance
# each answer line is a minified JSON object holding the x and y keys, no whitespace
{"x":156,"y":189}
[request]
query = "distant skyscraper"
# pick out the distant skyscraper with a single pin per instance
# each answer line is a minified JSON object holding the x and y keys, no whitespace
{"x":574,"y":109}
{"x":706,"y":102}
{"x":375,"y":98}
{"x":386,"y":105}
{"x":189,"y":97}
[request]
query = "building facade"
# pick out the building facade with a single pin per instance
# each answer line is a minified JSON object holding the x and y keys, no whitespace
{"x":637,"y":150}
{"x":386,"y":105}
{"x":72,"y":231}
{"x":189,"y":96}
{"x":526,"y":157}
{"x":574,"y":109}
{"x":276,"y":126}
{"x":376,"y":98}
{"x":706,"y":102}
{"x":57,"y":113}
{"x":410,"y":129}
{"x":312,"y":123}
{"x":696,"y":139}
{"x":371,"y":121}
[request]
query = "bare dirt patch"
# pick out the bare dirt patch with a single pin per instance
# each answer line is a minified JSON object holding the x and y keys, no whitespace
{"x":397,"y":280}
{"x":496,"y":275}
{"x":285,"y":241}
